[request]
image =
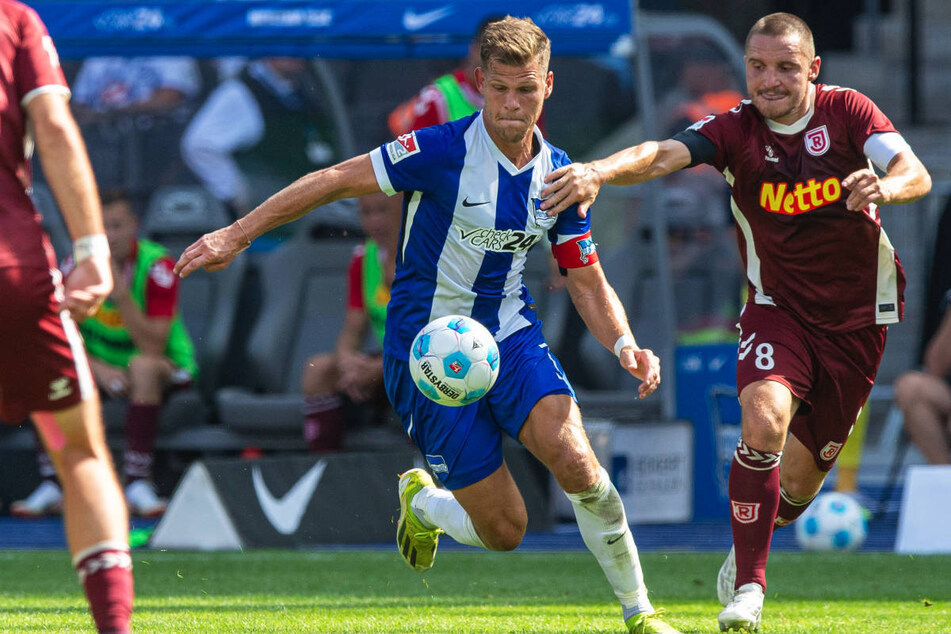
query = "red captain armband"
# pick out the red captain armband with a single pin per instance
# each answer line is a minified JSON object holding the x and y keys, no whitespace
{"x":575,"y":252}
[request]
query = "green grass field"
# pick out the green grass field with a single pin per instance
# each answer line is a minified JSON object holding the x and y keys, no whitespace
{"x":470,"y":592}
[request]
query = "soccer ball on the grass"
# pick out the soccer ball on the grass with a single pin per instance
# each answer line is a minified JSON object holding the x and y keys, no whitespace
{"x":454,"y":360}
{"x":834,"y":521}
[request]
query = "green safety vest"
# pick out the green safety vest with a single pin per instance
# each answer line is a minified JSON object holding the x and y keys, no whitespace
{"x":376,"y":294}
{"x":458,"y":104}
{"x":106,"y":336}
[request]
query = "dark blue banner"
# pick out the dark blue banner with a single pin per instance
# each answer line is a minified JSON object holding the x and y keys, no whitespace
{"x":367,"y":29}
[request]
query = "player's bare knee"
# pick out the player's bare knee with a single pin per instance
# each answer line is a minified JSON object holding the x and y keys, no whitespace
{"x":505,"y":534}
{"x":764,"y":427}
{"x":575,"y":470}
{"x":319,"y":375}
{"x":800,"y":490}
{"x":147,"y":374}
{"x":146,"y":365}
{"x":75,"y":455}
{"x":767,"y":411}
{"x":908,"y":389}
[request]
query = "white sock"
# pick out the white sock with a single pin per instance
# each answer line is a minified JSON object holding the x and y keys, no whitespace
{"x":438,"y":508}
{"x":603,"y":525}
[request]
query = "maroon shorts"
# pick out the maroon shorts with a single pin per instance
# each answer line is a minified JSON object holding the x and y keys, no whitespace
{"x":831,"y":373}
{"x":41,"y":354}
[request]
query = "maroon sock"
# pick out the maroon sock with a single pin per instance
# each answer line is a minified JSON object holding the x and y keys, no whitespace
{"x":323,"y":423}
{"x":754,"y":499}
{"x":105,"y":571}
{"x":141,"y":428}
{"x":789,"y":509}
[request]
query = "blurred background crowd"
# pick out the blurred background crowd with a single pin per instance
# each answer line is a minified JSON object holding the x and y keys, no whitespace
{"x":192,"y":143}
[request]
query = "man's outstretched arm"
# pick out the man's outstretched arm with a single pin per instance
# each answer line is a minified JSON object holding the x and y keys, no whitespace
{"x":216,"y":250}
{"x":580,"y":182}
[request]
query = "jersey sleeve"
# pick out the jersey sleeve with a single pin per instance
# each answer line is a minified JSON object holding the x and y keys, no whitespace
{"x":719,"y":130}
{"x":36,"y":66}
{"x":570,"y":236}
{"x":863,"y":118}
{"x":355,"y":281}
{"x":700,"y":147}
{"x":161,"y":290}
{"x":571,"y":241}
{"x":413,"y":161}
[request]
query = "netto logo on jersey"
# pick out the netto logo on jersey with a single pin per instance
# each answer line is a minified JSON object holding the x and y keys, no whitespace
{"x":779,"y":198}
{"x":499,"y":240}
{"x":427,"y":369}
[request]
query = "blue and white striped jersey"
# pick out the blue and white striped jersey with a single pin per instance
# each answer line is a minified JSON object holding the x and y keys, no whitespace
{"x":469,"y":219}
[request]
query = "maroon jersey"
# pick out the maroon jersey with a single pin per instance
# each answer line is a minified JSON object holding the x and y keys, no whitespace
{"x":28,"y":66}
{"x":803,"y":249}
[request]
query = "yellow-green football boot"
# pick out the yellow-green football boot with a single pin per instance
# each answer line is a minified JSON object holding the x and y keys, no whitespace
{"x":416,"y":543}
{"x":649,"y":624}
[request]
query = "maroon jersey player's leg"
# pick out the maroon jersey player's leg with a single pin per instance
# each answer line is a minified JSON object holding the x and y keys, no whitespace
{"x":44,"y":373}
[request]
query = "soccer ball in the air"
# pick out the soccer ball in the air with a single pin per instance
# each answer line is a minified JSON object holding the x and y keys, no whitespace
{"x":834,"y":521}
{"x":454,"y":360}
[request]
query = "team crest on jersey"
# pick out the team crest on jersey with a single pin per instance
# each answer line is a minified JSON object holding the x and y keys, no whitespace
{"x":745,"y":512}
{"x":404,"y":145}
{"x":817,"y":141}
{"x":587,"y":247}
{"x":830,"y":450}
{"x":540,"y":215}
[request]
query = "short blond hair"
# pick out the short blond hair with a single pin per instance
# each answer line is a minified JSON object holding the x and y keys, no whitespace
{"x":514,"y":42}
{"x":781,"y":24}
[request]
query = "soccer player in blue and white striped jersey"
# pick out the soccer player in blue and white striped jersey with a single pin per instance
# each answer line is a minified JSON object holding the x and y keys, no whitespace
{"x":471,"y":213}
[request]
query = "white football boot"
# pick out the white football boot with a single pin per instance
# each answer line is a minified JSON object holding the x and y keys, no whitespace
{"x":726,"y":578}
{"x":46,"y":499}
{"x":744,"y":610}
{"x":142,"y":500}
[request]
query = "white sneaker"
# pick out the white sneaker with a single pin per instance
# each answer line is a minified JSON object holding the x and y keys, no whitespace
{"x":726,"y":578}
{"x":46,"y":499}
{"x":142,"y":500}
{"x":744,"y":611}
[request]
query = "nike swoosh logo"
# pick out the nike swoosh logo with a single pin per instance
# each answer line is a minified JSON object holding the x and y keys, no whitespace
{"x":413,"y":21}
{"x":466,"y":203}
{"x":613,"y":541}
{"x":285,"y":514}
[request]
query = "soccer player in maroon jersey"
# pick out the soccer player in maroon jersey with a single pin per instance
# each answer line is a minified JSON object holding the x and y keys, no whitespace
{"x":824,"y":280}
{"x":44,"y":372}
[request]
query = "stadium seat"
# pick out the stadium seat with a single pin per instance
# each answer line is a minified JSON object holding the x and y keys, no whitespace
{"x":302,"y":309}
{"x":339,"y":219}
{"x":179,"y":214}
